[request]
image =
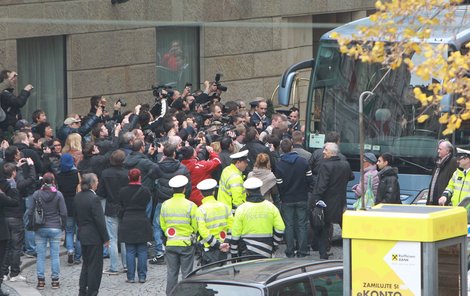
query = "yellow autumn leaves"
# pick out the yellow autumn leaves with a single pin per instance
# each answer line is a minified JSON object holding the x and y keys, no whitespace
{"x":392,"y":43}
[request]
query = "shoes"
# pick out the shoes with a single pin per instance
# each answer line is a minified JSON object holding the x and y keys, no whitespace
{"x":110,"y":272}
{"x":6,"y":278}
{"x":130,"y":281}
{"x":18,"y":278}
{"x":55,"y":284}
{"x":70,"y":258}
{"x":106,"y":256}
{"x":124,"y":269}
{"x":77,"y":261}
{"x":158,"y":260}
{"x":142,"y":281}
{"x":41,"y":284}
{"x":30,"y":255}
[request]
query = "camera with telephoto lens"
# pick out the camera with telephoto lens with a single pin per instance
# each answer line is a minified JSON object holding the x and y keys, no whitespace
{"x":122,"y":101}
{"x":217,"y":82}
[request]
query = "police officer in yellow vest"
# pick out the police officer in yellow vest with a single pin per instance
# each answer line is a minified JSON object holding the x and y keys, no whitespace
{"x":257,"y":226}
{"x":459,"y":184}
{"x":231,"y":191}
{"x":214,"y":220}
{"x":179,"y":223}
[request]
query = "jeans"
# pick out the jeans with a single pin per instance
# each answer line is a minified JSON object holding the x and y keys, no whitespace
{"x":112,"y":225}
{"x":51,"y":235}
{"x":296,"y":219}
{"x":71,"y":245}
{"x":29,"y":240}
{"x":14,"y":248}
{"x":157,"y":230}
{"x":139,"y":250}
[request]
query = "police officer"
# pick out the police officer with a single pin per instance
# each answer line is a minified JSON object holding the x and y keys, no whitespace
{"x":459,"y":184}
{"x":257,"y":226}
{"x":231,"y":191}
{"x":178,"y":222}
{"x":214,"y":220}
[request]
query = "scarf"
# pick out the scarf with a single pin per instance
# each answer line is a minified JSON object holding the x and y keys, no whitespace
{"x":265,"y":175}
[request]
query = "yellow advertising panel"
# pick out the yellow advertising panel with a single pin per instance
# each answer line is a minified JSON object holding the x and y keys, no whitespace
{"x":385,"y":268}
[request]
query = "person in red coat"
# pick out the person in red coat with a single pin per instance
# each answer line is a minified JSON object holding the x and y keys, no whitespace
{"x":199,"y":169}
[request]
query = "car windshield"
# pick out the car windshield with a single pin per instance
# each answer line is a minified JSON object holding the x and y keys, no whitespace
{"x":209,"y":289}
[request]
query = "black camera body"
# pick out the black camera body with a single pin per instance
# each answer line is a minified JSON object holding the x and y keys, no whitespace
{"x":158,"y":91}
{"x":217,"y":82}
{"x":122,"y":101}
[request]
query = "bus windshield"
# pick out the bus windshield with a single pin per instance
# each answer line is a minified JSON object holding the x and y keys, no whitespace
{"x":390,"y":114}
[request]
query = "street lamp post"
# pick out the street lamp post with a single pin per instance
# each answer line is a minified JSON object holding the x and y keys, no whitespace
{"x":364,"y":95}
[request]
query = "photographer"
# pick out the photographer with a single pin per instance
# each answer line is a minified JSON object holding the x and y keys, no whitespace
{"x":10,"y":103}
{"x":163,"y":100}
{"x":73,"y":125}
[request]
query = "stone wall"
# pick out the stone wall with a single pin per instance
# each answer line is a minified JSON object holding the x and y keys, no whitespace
{"x":111,"y":48}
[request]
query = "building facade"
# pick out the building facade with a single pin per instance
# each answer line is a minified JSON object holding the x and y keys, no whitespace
{"x":71,"y":50}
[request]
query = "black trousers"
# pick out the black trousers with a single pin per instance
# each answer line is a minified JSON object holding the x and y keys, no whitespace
{"x":92,"y":270}
{"x":3,"y":249}
{"x":14,"y":247}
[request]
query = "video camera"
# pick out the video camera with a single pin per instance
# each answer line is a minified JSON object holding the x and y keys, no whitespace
{"x":217,"y":82}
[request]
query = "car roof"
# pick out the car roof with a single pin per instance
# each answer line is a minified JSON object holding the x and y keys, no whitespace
{"x":262,"y":271}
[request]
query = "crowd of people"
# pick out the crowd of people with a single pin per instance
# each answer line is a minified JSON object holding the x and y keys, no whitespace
{"x":165,"y":179}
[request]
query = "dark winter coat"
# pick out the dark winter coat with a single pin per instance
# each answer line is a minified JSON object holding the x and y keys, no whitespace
{"x":94,"y":164}
{"x":135,"y":227}
{"x":315,"y":161}
{"x":170,"y":167}
{"x":447,"y":168}
{"x":333,"y":177}
{"x":67,"y":184}
{"x":9,"y":188}
{"x":12,"y":105}
{"x":389,"y":189}
{"x":5,"y":201}
{"x":146,"y":166}
{"x":112,"y":180}
{"x":293,"y":178}
{"x":34,"y":155}
{"x":254,"y":148}
{"x":87,"y":125}
{"x":90,"y":219}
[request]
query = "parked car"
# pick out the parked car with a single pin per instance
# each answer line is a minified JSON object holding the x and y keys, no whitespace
{"x":268,"y":276}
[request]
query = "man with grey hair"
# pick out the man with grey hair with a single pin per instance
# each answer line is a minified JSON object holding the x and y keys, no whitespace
{"x":92,"y":234}
{"x":330,"y":192}
{"x":445,"y":166}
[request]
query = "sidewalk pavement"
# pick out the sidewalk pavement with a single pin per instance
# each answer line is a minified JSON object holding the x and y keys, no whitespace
{"x":111,"y":284}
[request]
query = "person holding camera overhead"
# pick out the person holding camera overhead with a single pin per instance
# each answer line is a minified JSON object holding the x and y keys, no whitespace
{"x":10,"y":103}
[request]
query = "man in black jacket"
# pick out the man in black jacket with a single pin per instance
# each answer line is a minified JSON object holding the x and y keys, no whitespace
{"x":446,"y":164}
{"x":92,"y":234}
{"x":168,"y":168}
{"x":255,"y":147}
{"x":330,"y":188}
{"x":73,"y":124}
{"x":294,"y":181}
{"x":112,"y":180}
{"x":10,"y":103}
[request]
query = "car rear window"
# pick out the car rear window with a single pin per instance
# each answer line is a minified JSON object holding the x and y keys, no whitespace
{"x":208,"y":289}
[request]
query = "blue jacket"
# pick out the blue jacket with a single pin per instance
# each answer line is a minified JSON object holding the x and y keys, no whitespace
{"x":293,"y":178}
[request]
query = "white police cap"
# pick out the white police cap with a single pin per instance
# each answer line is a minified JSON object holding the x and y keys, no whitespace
{"x":239,"y":155}
{"x":252,"y":183}
{"x":207,"y":184}
{"x":463,"y":152}
{"x":178,"y":181}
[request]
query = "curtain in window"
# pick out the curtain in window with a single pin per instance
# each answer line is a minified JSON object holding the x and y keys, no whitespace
{"x":178,"y":56}
{"x":41,"y":62}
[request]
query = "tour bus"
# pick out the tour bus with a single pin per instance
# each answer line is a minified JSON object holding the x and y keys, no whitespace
{"x":390,"y":125}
